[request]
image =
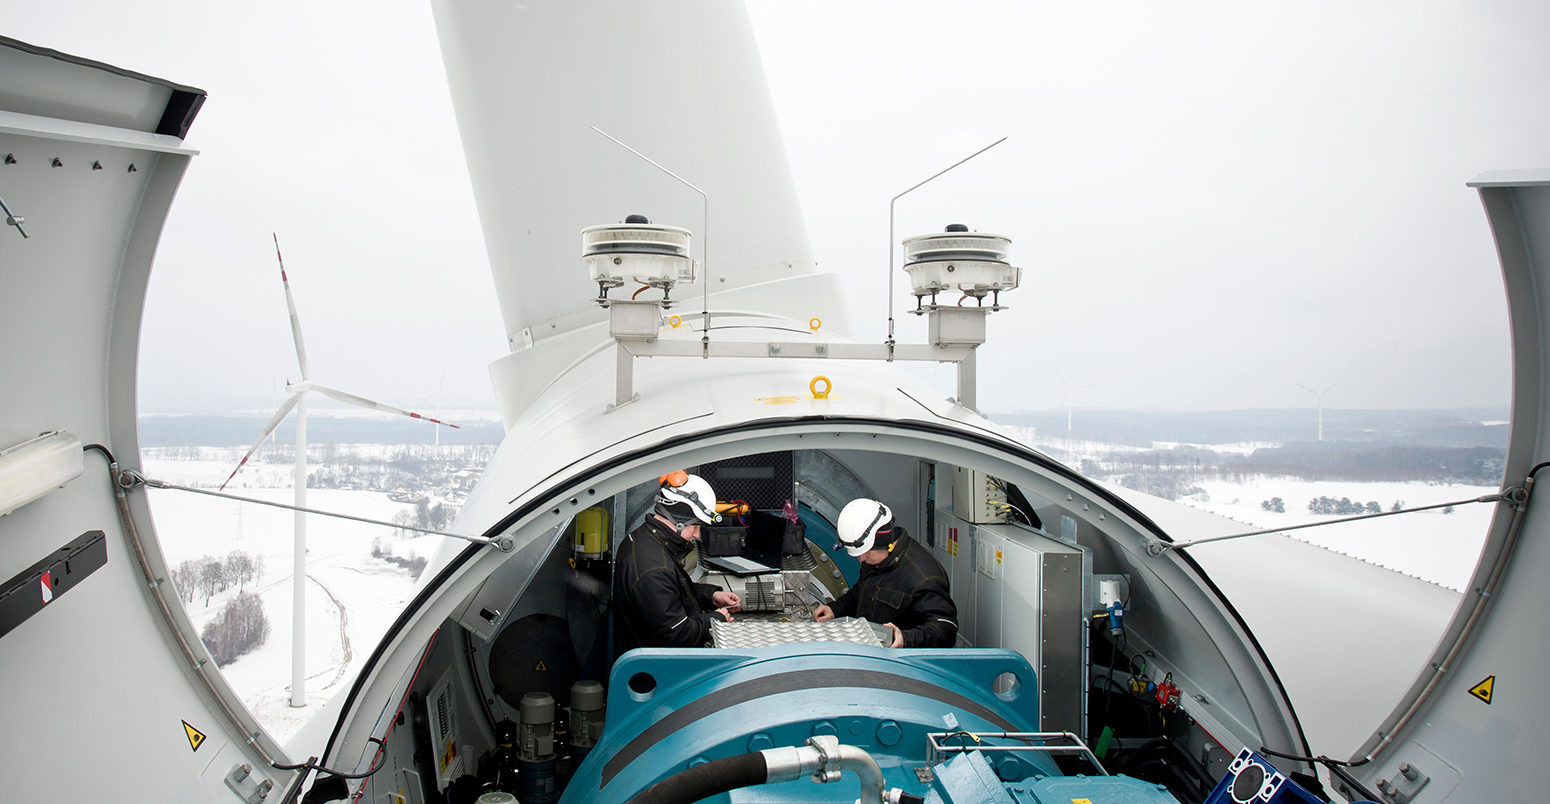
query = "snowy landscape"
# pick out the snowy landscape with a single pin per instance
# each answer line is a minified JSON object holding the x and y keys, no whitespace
{"x":360,"y":575}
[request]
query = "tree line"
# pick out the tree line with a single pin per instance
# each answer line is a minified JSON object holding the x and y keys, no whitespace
{"x":210,"y":576}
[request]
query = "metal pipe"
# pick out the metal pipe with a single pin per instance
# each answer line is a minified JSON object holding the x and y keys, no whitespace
{"x":624,"y":375}
{"x":825,"y":758}
{"x":968,"y":395}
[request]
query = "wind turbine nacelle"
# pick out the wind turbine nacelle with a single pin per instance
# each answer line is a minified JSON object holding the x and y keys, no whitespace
{"x":969,"y":262}
{"x":637,"y":250}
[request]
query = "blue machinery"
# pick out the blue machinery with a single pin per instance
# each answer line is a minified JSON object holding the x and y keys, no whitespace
{"x":868,"y":724}
{"x":841,"y":722}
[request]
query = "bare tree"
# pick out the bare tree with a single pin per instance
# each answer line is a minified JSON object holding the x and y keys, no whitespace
{"x":212,"y":577}
{"x":241,"y":626}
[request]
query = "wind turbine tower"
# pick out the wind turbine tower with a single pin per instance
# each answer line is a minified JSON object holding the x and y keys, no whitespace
{"x":298,"y":400}
{"x":1319,"y":395}
{"x":1065,"y":401}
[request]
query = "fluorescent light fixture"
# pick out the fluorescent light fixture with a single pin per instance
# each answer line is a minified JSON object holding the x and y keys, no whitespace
{"x":34,"y":468}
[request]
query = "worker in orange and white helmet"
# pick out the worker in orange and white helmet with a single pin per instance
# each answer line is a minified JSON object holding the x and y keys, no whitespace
{"x":655,"y":603}
{"x":901,"y":586}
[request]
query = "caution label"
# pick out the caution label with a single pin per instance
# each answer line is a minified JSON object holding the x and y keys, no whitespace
{"x":196,"y":737}
{"x":1081,"y":801}
{"x":1484,"y":688}
{"x":48,"y":587}
{"x":541,"y":667}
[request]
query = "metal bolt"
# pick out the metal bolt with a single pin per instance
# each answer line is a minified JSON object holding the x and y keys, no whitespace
{"x":1408,"y":771}
{"x":263,"y":789}
{"x":242,"y":771}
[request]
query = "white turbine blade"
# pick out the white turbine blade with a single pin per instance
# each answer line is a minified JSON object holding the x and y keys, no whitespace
{"x":363,"y":402}
{"x":290,"y":304}
{"x":274,"y":421}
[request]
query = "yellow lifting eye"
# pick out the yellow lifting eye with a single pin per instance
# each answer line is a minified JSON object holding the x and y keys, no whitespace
{"x":818,"y":381}
{"x":674,"y":321}
{"x":814,"y":323}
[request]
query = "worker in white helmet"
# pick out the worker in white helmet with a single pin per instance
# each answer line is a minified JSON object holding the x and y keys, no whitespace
{"x":901,"y":585}
{"x":655,"y":603}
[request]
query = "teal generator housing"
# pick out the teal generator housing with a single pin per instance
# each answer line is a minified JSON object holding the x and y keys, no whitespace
{"x":955,"y":725}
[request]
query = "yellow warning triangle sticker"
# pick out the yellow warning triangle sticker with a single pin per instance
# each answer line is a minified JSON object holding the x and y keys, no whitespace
{"x":196,"y":737}
{"x":541,"y":668}
{"x":1483,"y":689}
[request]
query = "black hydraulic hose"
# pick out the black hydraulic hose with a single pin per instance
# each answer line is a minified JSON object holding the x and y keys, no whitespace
{"x":703,"y":781}
{"x":1187,"y":780}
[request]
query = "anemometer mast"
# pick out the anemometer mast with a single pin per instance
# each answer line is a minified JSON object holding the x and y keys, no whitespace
{"x":659,"y":257}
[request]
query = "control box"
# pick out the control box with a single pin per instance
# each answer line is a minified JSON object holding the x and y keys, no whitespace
{"x":978,"y":497}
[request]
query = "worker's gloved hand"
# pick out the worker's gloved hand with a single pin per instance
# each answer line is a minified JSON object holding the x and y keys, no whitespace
{"x":898,"y":636}
{"x":725,"y":612}
{"x":822,"y":613}
{"x":730,"y":600}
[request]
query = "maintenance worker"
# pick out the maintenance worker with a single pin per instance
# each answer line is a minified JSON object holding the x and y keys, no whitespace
{"x":655,"y":604}
{"x":901,"y":586}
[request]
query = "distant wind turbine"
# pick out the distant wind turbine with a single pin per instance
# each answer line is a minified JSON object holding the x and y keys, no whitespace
{"x":1319,"y":395}
{"x":1065,"y":401}
{"x":298,"y":400}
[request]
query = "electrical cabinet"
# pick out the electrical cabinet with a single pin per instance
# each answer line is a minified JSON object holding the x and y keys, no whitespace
{"x":1018,"y":588}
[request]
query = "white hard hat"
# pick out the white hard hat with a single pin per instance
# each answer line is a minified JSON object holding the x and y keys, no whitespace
{"x":861,"y":520}
{"x":685,"y":498}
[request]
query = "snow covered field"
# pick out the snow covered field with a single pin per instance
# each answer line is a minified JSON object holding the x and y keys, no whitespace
{"x":352,"y":597}
{"x":1431,"y":545}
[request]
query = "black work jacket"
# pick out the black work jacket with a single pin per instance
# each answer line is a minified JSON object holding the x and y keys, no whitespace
{"x":655,"y":604}
{"x":909,"y":589}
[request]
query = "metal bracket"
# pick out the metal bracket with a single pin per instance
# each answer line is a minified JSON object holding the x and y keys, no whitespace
{"x":828,"y":748}
{"x":248,"y":787}
{"x":1405,"y":784}
{"x":11,"y":218}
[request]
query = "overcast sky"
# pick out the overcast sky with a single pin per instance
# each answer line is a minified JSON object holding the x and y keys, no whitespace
{"x":1212,"y":202}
